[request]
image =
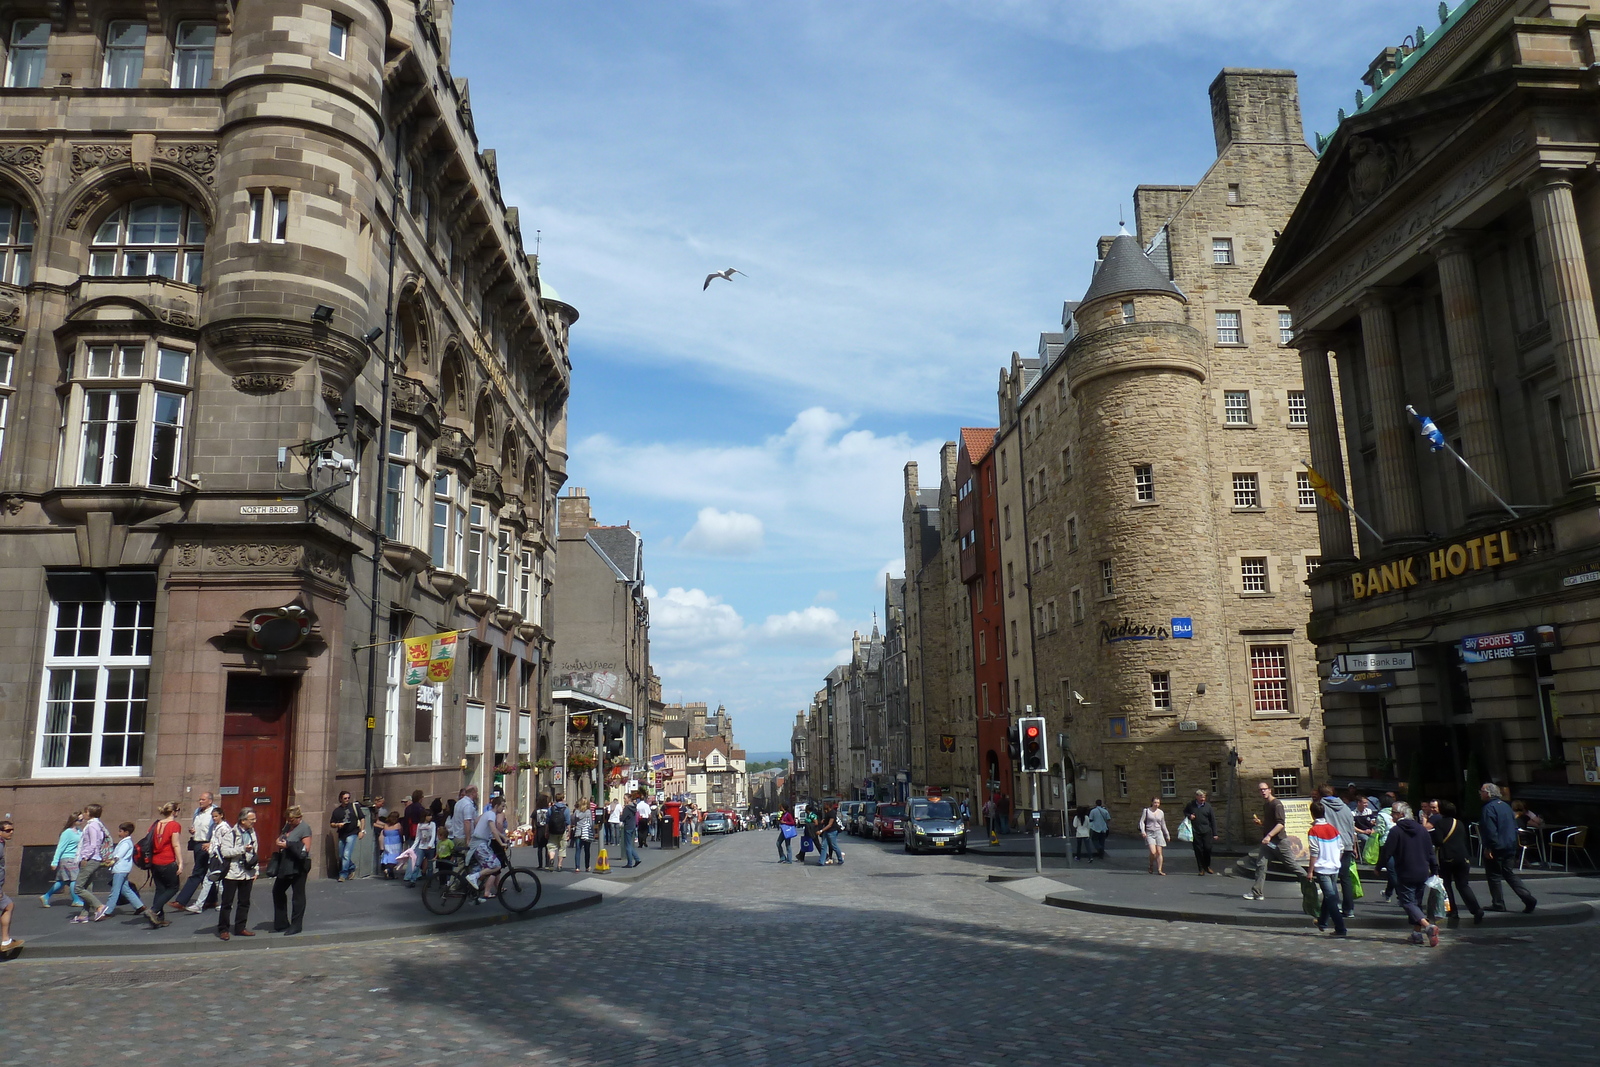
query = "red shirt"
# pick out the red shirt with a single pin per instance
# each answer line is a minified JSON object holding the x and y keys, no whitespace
{"x":166,"y":850}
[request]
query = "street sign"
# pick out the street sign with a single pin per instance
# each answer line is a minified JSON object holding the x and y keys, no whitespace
{"x":1352,"y":662}
{"x":1183,"y":628}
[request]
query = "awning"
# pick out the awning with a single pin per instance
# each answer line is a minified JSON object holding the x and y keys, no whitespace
{"x":584,"y":700}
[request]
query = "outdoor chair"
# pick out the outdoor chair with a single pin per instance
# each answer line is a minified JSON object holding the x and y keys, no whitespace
{"x":1570,"y":840}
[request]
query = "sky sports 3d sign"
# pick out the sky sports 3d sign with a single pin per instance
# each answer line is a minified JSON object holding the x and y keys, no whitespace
{"x":1128,"y":630}
{"x":1511,"y":644}
{"x":1436,"y":565}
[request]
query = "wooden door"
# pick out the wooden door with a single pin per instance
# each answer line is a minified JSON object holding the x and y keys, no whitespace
{"x":255,"y":748}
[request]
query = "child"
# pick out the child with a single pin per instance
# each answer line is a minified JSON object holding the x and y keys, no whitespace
{"x":121,"y":868}
{"x":65,"y":861}
{"x":423,"y":848}
{"x":392,"y":843}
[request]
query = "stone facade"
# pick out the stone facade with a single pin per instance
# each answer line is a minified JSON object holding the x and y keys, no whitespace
{"x":207,"y":241}
{"x":1156,"y":458}
{"x":1439,"y":259}
{"x":982,"y":571}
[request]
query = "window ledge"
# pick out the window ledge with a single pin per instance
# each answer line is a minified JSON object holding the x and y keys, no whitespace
{"x":1254,"y":510}
{"x":1256,"y":596}
{"x":1145,"y":504}
{"x":1238,"y":425}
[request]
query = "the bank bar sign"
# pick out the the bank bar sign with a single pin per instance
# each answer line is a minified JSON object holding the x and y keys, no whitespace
{"x":1436,"y":565}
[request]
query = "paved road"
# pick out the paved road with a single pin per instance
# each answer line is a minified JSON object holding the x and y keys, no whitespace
{"x":731,"y":958}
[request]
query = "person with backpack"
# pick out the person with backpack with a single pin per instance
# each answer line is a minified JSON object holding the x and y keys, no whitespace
{"x":1455,"y":862}
{"x":121,"y":871}
{"x":94,"y":849}
{"x":65,"y":861}
{"x":234,"y":851}
{"x":159,"y":851}
{"x":541,"y":831}
{"x":556,"y":821}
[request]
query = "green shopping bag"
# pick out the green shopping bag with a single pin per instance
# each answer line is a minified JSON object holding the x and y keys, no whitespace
{"x":1369,"y":855}
{"x":1356,"y":892}
{"x":1311,"y":898}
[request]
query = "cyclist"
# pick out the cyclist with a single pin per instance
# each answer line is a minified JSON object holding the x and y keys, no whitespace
{"x":486,"y":834}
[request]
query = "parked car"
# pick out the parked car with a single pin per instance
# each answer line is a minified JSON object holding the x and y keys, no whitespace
{"x":716,"y":823}
{"x":887,"y":821}
{"x":863,"y":826}
{"x":850,"y":815}
{"x":934,"y":826}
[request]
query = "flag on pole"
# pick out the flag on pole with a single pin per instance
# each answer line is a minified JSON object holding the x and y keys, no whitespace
{"x":1436,"y":441}
{"x":430,"y":659}
{"x":1322,"y":488}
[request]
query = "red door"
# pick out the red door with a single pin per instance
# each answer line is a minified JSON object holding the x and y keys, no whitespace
{"x":255,"y":748}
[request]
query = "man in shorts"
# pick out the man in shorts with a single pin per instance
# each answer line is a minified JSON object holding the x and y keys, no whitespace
{"x":7,"y":945}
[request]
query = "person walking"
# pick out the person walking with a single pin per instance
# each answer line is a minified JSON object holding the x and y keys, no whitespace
{"x":1153,"y":828}
{"x":1408,"y":853}
{"x":541,"y":832}
{"x":164,"y":864}
{"x":1275,"y":842}
{"x":828,"y":834}
{"x":65,"y":861}
{"x":1455,"y":863}
{"x":294,"y":866}
{"x":426,"y":847}
{"x":1203,"y":826}
{"x":786,"y":834}
{"x":583,"y":835}
{"x":1003,"y":813}
{"x":121,"y":871}
{"x":199,"y":860}
{"x":8,"y":944}
{"x":1341,"y":818}
{"x":644,"y":813}
{"x":1497,"y":829}
{"x":1082,"y":842}
{"x":614,"y":820}
{"x":1327,"y":852}
{"x":236,"y":845}
{"x":628,"y":827}
{"x":1099,"y":827}
{"x":560,"y":818}
{"x":94,"y":850}
{"x":347,"y":829}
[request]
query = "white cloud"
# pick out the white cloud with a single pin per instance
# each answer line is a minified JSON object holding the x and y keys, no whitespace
{"x":723,"y":533}
{"x":809,"y":626}
{"x":693,"y":620}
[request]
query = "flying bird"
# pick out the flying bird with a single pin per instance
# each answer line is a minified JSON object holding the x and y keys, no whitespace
{"x":725,"y":275}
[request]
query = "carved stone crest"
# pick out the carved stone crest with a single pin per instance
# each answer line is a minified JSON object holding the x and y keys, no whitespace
{"x":262,"y":384}
{"x":188,"y":554}
{"x":254,"y":555}
{"x":27,"y":158}
{"x":1374,"y":166}
{"x":199,"y":159}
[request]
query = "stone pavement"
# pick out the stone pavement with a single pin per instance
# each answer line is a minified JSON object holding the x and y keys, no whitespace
{"x":730,"y":958}
{"x":364,"y":909}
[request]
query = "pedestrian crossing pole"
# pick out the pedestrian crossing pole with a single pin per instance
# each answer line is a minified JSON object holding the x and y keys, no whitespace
{"x":1038,"y":854}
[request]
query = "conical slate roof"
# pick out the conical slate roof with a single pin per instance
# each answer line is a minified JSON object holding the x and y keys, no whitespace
{"x":1126,"y":269}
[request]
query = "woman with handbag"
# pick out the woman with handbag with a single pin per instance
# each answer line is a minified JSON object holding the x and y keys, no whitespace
{"x":786,"y":834}
{"x":1199,"y":828}
{"x":288,"y":869}
{"x":1153,"y":828}
{"x":1455,"y":863}
{"x":235,"y":850}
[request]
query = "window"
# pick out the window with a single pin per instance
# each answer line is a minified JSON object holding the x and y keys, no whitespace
{"x":338,"y":36}
{"x":1007,"y":517}
{"x":1229,"y":331}
{"x":477,"y":657}
{"x":504,"y":665}
{"x":1077,"y":605}
{"x":1168,"y":775}
{"x":132,"y":433}
{"x":124,"y":55}
{"x":1253,"y":574}
{"x":1049,"y":551}
{"x":8,"y":362}
{"x":1236,"y":407}
{"x":269,"y":216}
{"x":1066,"y":464}
{"x":392,"y":690}
{"x":150,"y":237}
{"x":1312,"y":563}
{"x":525,"y":589}
{"x":1122,"y":779}
{"x":503,"y":580}
{"x":1161,"y":690}
{"x":96,"y":687}
{"x":477,"y":543}
{"x":192,"y":52}
{"x":16,"y":243}
{"x":1305,"y":496}
{"x":396,"y":480}
{"x":448,"y":535}
{"x":1030,"y":495}
{"x":1216,"y":777}
{"x":1246,"y":491}
{"x":1055,"y":618}
{"x":30,"y":40}
{"x":1285,"y":327}
{"x":1127,"y":311}
{"x":1297,"y":407}
{"x":1072,"y":534}
{"x":1144,"y":483}
{"x":525,"y":691}
{"x":1011,"y":579}
{"x":1285,"y":782}
{"x":1222,"y":251}
{"x":1233,"y":194}
{"x":1036,"y":558}
{"x":1269,"y":679}
{"x":1108,"y":578}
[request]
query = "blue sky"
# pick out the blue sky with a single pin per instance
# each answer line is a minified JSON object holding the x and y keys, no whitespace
{"x":911,"y":188}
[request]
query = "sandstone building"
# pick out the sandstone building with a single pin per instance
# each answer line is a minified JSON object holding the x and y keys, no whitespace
{"x":1440,"y":259}
{"x":1163,"y":528}
{"x":220,"y":223}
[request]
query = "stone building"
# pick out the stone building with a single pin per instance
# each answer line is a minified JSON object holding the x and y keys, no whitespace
{"x":600,"y":665}
{"x":896,"y":694}
{"x":798,"y":781}
{"x":222,"y":224}
{"x":1166,"y":530}
{"x":988,"y":704}
{"x":1440,"y":257}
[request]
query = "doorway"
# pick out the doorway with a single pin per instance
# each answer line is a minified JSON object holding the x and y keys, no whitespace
{"x":255,"y":748}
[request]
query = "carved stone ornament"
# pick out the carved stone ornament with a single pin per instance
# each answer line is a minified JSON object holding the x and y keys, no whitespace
{"x":26,"y":158}
{"x":253,"y":346}
{"x":254,"y":555}
{"x":10,"y":314}
{"x":487,"y":481}
{"x":263,"y":384}
{"x":188,"y":554}
{"x":198,"y":159}
{"x":331,"y":394}
{"x":86,"y":157}
{"x":13,"y":504}
{"x":176,"y":317}
{"x":1374,"y":166}
{"x":97,"y":196}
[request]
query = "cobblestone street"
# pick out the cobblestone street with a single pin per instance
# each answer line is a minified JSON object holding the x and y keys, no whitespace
{"x":731,"y":958}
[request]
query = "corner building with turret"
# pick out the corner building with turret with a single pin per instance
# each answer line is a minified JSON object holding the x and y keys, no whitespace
{"x":279,"y":382}
{"x":1158,"y":528}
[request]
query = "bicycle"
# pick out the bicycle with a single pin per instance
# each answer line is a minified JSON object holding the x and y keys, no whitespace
{"x":447,"y":889}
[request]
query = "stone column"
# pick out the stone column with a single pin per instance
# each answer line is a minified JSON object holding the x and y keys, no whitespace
{"x":1322,"y":418}
{"x":1572,"y":319}
{"x":1397,"y":472}
{"x":1476,"y":408}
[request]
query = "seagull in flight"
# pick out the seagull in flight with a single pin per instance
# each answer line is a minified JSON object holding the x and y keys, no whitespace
{"x":725,"y":275}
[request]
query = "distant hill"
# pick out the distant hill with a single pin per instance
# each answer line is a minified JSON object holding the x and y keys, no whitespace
{"x":765,"y":757}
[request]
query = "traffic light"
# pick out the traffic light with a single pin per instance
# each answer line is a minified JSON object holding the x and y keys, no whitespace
{"x":613,"y":739}
{"x":1035,"y":756}
{"x":1014,"y":741}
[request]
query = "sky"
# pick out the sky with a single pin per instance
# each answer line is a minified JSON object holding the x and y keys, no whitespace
{"x":910,"y":189}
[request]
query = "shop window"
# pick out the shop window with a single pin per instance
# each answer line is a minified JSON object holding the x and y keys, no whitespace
{"x":150,"y":238}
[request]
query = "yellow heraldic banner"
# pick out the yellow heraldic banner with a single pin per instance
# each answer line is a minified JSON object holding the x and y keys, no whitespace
{"x":430,"y":659}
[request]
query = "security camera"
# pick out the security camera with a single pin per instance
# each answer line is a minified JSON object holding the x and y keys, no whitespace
{"x":372,"y":335}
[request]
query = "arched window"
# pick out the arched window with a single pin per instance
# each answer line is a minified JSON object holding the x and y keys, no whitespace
{"x":16,"y":243}
{"x":164,"y":238}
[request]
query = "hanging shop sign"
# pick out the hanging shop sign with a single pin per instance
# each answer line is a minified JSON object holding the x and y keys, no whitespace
{"x":947,"y":742}
{"x":579,"y":723}
{"x":1182,"y":628}
{"x":1511,"y":644}
{"x":1376,"y":661}
{"x":1128,"y":630}
{"x":1435,"y":565}
{"x":1339,"y":681}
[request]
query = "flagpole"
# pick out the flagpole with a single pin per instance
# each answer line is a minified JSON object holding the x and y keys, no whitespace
{"x":1345,"y":503}
{"x":1445,"y":444}
{"x":397,"y":640}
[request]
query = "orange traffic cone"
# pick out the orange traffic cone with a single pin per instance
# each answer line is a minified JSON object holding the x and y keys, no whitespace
{"x":602,"y":865}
